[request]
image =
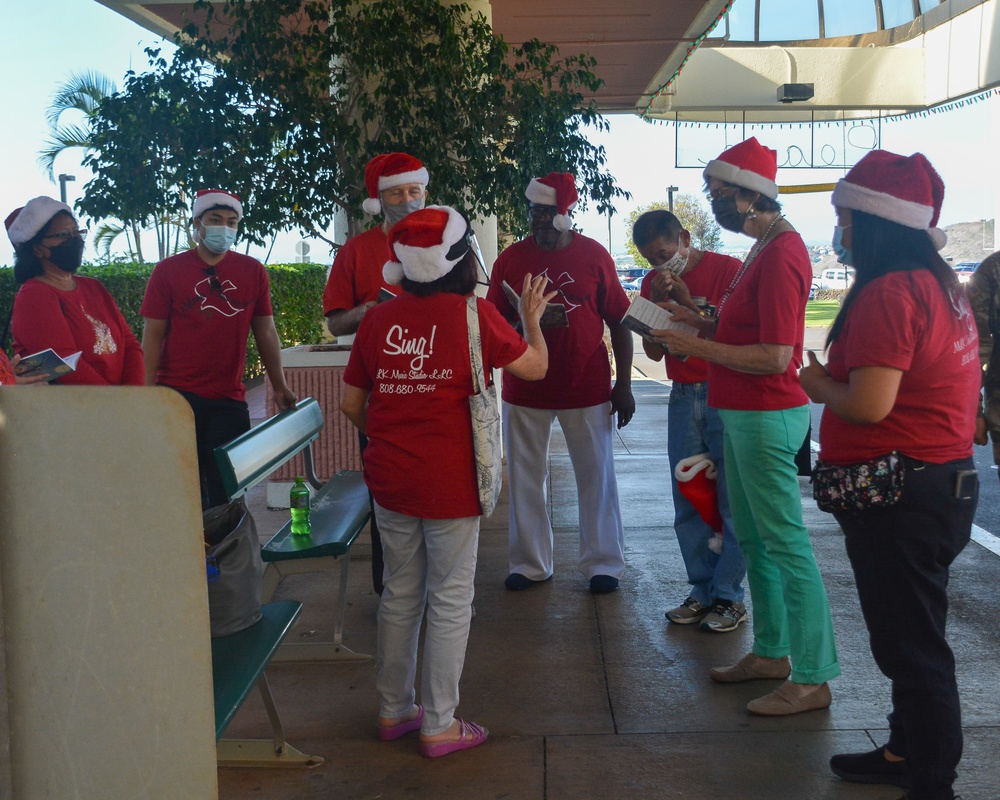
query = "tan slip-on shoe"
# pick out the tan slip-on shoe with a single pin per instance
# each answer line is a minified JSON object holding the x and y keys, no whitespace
{"x":791,"y":698}
{"x":752,"y":668}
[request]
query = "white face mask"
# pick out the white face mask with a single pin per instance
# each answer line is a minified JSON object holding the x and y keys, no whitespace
{"x":675,"y":264}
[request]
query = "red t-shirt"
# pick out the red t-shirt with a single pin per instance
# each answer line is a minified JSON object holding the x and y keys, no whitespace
{"x":205,"y":349}
{"x":412,"y":354}
{"x":579,"y":373}
{"x":768,"y":306}
{"x":7,"y":376}
{"x":356,"y":275}
{"x":85,"y":319}
{"x":905,"y":321}
{"x":709,"y":279}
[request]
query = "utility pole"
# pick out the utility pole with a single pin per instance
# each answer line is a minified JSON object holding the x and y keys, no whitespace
{"x":670,"y":198}
{"x":63,"y":180}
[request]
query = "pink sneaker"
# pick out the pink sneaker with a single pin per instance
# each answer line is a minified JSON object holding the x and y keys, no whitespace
{"x":470,"y":735}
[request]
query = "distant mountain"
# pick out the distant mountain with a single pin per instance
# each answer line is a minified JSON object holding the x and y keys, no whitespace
{"x":968,"y":241}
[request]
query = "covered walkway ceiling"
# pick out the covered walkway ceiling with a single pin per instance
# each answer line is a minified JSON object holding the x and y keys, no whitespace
{"x":907,"y":55}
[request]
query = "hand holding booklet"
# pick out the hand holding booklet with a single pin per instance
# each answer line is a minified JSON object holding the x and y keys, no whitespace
{"x":554,"y":315}
{"x":47,"y":364}
{"x":644,"y":317}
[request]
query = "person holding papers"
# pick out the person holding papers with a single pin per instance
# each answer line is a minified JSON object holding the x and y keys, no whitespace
{"x":715,"y":600}
{"x":754,"y":349}
{"x":59,"y":310}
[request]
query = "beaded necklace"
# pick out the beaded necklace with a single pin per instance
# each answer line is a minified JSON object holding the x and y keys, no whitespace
{"x":754,"y":250}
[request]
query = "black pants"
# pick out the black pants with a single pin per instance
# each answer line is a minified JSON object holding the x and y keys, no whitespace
{"x":901,"y":557}
{"x":378,"y":564}
{"x":215,"y":423}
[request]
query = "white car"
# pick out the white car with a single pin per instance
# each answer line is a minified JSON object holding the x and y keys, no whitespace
{"x":836,"y":278}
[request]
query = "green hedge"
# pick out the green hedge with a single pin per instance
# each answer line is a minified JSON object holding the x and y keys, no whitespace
{"x":296,"y":295}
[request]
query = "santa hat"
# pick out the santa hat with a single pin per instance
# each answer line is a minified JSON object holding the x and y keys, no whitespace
{"x":555,"y":189}
{"x":427,"y":245}
{"x":902,"y":189}
{"x":748,"y":164}
{"x":213,"y":198}
{"x":697,"y":480}
{"x":388,"y":170}
{"x":25,"y":223}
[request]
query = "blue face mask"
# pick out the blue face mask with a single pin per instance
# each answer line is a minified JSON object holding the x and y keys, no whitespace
{"x":843,"y":253}
{"x":219,"y":238}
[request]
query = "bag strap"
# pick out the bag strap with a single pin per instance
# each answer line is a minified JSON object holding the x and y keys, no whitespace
{"x":475,"y":346}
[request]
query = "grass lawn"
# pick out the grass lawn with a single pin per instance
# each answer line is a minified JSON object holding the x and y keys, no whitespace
{"x":821,"y":313}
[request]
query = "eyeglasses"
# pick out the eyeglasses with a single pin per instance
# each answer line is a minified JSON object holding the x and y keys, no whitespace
{"x":541,"y":212}
{"x":65,"y":236}
{"x":215,"y":283}
{"x":725,"y":191}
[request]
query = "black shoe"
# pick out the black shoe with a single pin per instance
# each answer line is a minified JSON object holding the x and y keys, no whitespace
{"x":602,"y":584}
{"x":516,"y":582}
{"x":870,"y":767}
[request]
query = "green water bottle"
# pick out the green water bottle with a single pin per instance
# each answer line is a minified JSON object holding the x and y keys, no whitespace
{"x":298,"y":500}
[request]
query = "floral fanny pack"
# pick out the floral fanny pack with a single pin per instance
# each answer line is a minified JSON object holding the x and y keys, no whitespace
{"x":876,"y":483}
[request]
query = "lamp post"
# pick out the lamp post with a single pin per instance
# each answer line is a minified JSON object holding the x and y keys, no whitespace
{"x":670,"y":198}
{"x":63,"y":180}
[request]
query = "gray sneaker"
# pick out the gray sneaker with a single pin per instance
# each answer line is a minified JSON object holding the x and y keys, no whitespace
{"x":688,"y":612}
{"x":724,"y":617}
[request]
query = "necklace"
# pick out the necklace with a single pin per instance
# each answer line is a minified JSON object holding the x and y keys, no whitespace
{"x":754,"y":251}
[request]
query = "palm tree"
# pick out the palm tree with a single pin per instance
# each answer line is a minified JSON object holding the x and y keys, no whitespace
{"x":82,"y":92}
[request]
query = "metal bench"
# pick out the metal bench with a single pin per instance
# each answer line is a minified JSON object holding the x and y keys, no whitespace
{"x":339,"y":513}
{"x":238,"y":664}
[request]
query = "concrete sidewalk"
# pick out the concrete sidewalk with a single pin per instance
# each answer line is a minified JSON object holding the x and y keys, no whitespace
{"x":598,"y":696}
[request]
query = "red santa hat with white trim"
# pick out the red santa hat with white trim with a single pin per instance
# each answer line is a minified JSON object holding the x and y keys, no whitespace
{"x":749,"y":165}
{"x":208,"y":199}
{"x":427,"y":245}
{"x":902,"y":189}
{"x":25,"y":223}
{"x":388,"y":170}
{"x":555,"y":189}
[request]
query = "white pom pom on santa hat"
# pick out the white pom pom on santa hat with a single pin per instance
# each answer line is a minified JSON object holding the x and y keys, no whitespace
{"x":427,"y":245}
{"x":555,"y":189}
{"x":902,"y":189}
{"x":388,"y":170}
{"x":25,"y":223}
{"x":214,"y":198}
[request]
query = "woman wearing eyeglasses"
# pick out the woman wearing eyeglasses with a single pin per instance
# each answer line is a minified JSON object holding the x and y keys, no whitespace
{"x":57,"y":309}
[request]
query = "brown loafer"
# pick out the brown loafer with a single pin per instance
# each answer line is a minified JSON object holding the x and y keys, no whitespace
{"x":752,"y":668}
{"x":791,"y":698}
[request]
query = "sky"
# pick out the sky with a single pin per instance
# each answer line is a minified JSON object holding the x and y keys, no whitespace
{"x":42,"y":43}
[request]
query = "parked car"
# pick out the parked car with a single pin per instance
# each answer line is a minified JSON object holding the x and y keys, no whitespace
{"x":964,"y":270}
{"x":631,"y":274}
{"x":633,"y":285}
{"x":836,"y":278}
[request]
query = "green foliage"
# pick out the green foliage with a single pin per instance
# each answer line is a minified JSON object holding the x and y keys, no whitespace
{"x":296,"y":292}
{"x":284,"y":103}
{"x":696,"y":219}
{"x":82,"y":92}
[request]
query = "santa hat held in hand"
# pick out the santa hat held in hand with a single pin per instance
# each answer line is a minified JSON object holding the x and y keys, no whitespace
{"x":388,"y":170}
{"x":902,"y":189}
{"x":208,"y":199}
{"x":25,"y":223}
{"x":427,"y":245}
{"x":748,"y":164}
{"x":697,"y":479}
{"x":555,"y":189}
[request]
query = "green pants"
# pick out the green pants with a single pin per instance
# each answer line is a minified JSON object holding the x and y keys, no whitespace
{"x":791,"y":613}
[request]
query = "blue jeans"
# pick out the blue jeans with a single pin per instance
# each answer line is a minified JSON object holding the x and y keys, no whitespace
{"x":693,"y":428}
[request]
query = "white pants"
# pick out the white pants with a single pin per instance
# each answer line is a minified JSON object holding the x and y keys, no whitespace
{"x":589,"y":439}
{"x":428,"y":563}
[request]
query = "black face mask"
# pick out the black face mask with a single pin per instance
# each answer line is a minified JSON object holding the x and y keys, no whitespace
{"x":727,"y":215}
{"x":68,"y":256}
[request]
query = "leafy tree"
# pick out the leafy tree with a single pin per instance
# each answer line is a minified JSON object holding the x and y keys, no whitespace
{"x":284,"y":102}
{"x":82,"y":92}
{"x":705,"y":231}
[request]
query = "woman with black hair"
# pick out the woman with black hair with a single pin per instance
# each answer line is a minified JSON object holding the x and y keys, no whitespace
{"x":57,"y":309}
{"x":407,"y":387}
{"x":901,"y":389}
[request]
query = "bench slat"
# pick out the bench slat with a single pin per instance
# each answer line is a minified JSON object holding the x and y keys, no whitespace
{"x":238,"y":660}
{"x":339,"y":513}
{"x":248,"y":459}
